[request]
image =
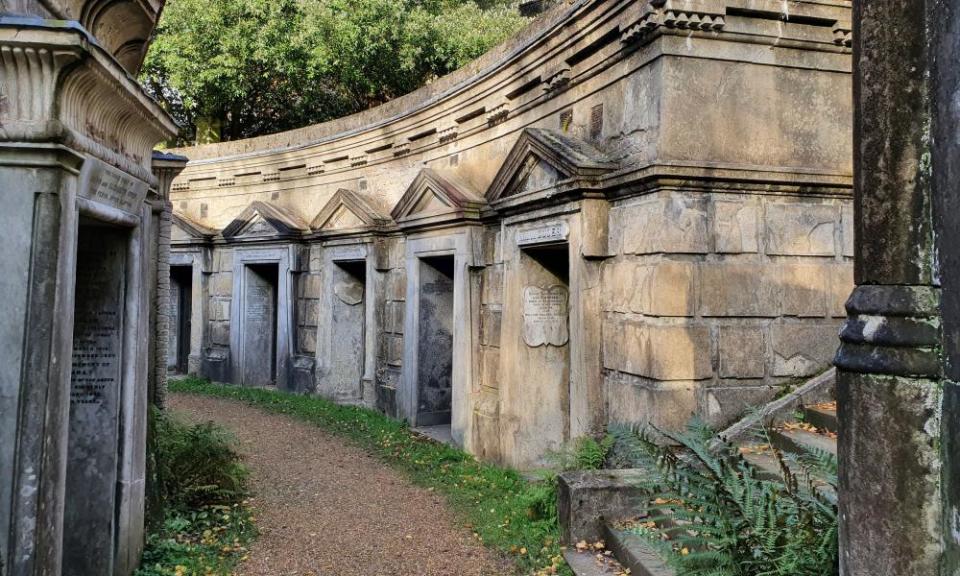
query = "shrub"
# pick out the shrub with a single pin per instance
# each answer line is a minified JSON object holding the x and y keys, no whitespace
{"x":715,"y":515}
{"x":195,"y":466}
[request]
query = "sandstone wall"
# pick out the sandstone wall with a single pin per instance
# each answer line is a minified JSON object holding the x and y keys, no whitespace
{"x":682,"y":169}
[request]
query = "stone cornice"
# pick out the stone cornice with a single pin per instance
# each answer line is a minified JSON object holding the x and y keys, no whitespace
{"x":59,"y":86}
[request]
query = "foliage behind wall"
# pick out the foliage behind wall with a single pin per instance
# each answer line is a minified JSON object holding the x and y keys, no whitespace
{"x":231,"y":69}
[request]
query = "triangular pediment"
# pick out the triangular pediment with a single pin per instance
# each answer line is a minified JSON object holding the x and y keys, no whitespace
{"x":185,"y":230}
{"x":435,"y":197}
{"x":347,"y":211}
{"x":542,"y":160}
{"x":263,"y":220}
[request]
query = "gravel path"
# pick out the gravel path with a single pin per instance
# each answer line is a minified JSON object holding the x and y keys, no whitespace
{"x":327,"y":508}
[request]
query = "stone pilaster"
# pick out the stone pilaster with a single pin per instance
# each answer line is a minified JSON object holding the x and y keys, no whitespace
{"x":898,"y":413}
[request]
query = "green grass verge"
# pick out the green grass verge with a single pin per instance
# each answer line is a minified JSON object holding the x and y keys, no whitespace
{"x":210,"y":541}
{"x":505,"y":511}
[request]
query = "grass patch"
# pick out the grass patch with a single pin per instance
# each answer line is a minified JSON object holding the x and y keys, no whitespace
{"x":200,"y":522}
{"x":505,"y":511}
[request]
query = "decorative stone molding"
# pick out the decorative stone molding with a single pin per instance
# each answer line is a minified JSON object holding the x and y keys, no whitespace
{"x":448,"y":133}
{"x":893,"y":330}
{"x":315,"y":170}
{"x":271,"y":176}
{"x":226,"y":182}
{"x":556,"y":79}
{"x":356,"y":161}
{"x":437,"y":198}
{"x":544,"y":159}
{"x":696,"y":15}
{"x":498,"y":113}
{"x":348,"y":213}
{"x":401,"y":149}
{"x":843,"y":34}
{"x":94,"y":107}
{"x":261,"y":219}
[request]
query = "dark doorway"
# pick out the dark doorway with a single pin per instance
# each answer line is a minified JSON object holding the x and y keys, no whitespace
{"x":181,"y":306}
{"x":435,"y":342}
{"x":349,"y":329}
{"x":259,"y":337}
{"x":93,"y":444}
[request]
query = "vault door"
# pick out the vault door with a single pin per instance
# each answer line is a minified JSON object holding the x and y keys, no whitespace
{"x":435,"y":342}
{"x":259,"y":338}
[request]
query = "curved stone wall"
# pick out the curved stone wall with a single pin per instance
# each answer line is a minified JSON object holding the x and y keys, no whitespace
{"x":640,"y":211}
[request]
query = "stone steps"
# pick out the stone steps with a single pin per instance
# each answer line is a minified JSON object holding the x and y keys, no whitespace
{"x":797,"y":424}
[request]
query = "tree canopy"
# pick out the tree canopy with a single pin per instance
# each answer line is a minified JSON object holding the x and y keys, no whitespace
{"x":240,"y":68}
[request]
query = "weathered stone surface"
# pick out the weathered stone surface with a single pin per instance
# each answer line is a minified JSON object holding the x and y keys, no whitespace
{"x":841,"y":286}
{"x":805,"y":289}
{"x":801,"y":229}
{"x":221,"y":284}
{"x":803,"y":349}
{"x":675,"y":224}
{"x":435,"y":342}
{"x":220,"y":333}
{"x":743,"y":351}
{"x":585,"y":499}
{"x":394,"y":350}
{"x":664,"y":289}
{"x":718,"y":405}
{"x":307,"y":337}
{"x":490,"y":320}
{"x":397,"y":285}
{"x":95,"y":397}
{"x":734,"y":289}
{"x":666,"y":352}
{"x":310,"y":286}
{"x":259,"y":326}
{"x":735,"y":226}
{"x":849,"y":228}
{"x":492,"y":285}
{"x":490,"y":367}
{"x":634,"y":400}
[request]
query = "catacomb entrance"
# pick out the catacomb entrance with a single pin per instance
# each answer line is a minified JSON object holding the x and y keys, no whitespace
{"x":348,"y":346}
{"x":542,"y":361}
{"x":259,"y":338}
{"x":93,"y":445}
{"x":435,"y":341}
{"x":181,"y":309}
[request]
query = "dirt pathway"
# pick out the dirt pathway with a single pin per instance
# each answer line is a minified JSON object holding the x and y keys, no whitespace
{"x":326,"y":508}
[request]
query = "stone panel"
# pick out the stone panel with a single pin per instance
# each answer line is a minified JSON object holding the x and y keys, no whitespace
{"x":493,"y":285}
{"x":308,"y":339}
{"x":220,"y":333}
{"x":743,"y":352}
{"x":848,"y":227}
{"x":735,"y":289}
{"x":841,"y":286}
{"x":221,"y":284}
{"x":801,"y":229}
{"x":397,"y":285}
{"x":671,"y":352}
{"x":674,"y":224}
{"x":310,"y":286}
{"x":721,"y":406}
{"x":664,"y":289}
{"x":223,"y":260}
{"x":490,"y":367}
{"x":310,"y":316}
{"x":220,"y":309}
{"x":490,"y":319}
{"x":804,"y":288}
{"x":803,"y":349}
{"x":632,"y":400}
{"x":613,"y":342}
{"x":394,"y":350}
{"x":735,"y":226}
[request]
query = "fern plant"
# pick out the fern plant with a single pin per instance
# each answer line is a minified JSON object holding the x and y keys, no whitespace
{"x":714,"y":514}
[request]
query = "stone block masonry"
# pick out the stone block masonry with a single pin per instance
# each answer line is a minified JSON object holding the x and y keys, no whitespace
{"x":665,"y":231}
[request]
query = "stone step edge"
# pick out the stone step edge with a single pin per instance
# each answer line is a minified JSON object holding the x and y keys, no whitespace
{"x":634,"y":553}
{"x":817,"y":388}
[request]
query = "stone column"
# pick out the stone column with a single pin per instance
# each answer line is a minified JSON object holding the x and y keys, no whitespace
{"x":898,"y":416}
{"x":166,"y":167}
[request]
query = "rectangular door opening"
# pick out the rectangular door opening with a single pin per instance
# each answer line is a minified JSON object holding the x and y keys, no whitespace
{"x":93,"y":444}
{"x":435,"y":343}
{"x":181,"y":291}
{"x":543,"y":359}
{"x":349,"y":329}
{"x":259,"y":338}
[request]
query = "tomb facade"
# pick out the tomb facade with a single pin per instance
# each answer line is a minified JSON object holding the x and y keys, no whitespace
{"x":85,"y":228}
{"x":632,"y":212}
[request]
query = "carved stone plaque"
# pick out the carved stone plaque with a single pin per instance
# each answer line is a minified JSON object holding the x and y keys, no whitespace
{"x":546,"y":314}
{"x":106,"y":185}
{"x":350,"y":293}
{"x":556,"y":232}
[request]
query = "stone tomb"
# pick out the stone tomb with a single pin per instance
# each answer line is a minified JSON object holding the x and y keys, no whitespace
{"x":341,"y":377}
{"x":181,"y":313}
{"x":259,"y":344}
{"x":94,"y":423}
{"x":435,"y":341}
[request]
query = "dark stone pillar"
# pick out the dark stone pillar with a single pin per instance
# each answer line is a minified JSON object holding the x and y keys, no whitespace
{"x":898,"y":415}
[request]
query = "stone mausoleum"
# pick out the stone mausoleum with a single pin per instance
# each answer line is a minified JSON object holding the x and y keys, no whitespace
{"x":84,"y":223}
{"x":632,"y":212}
